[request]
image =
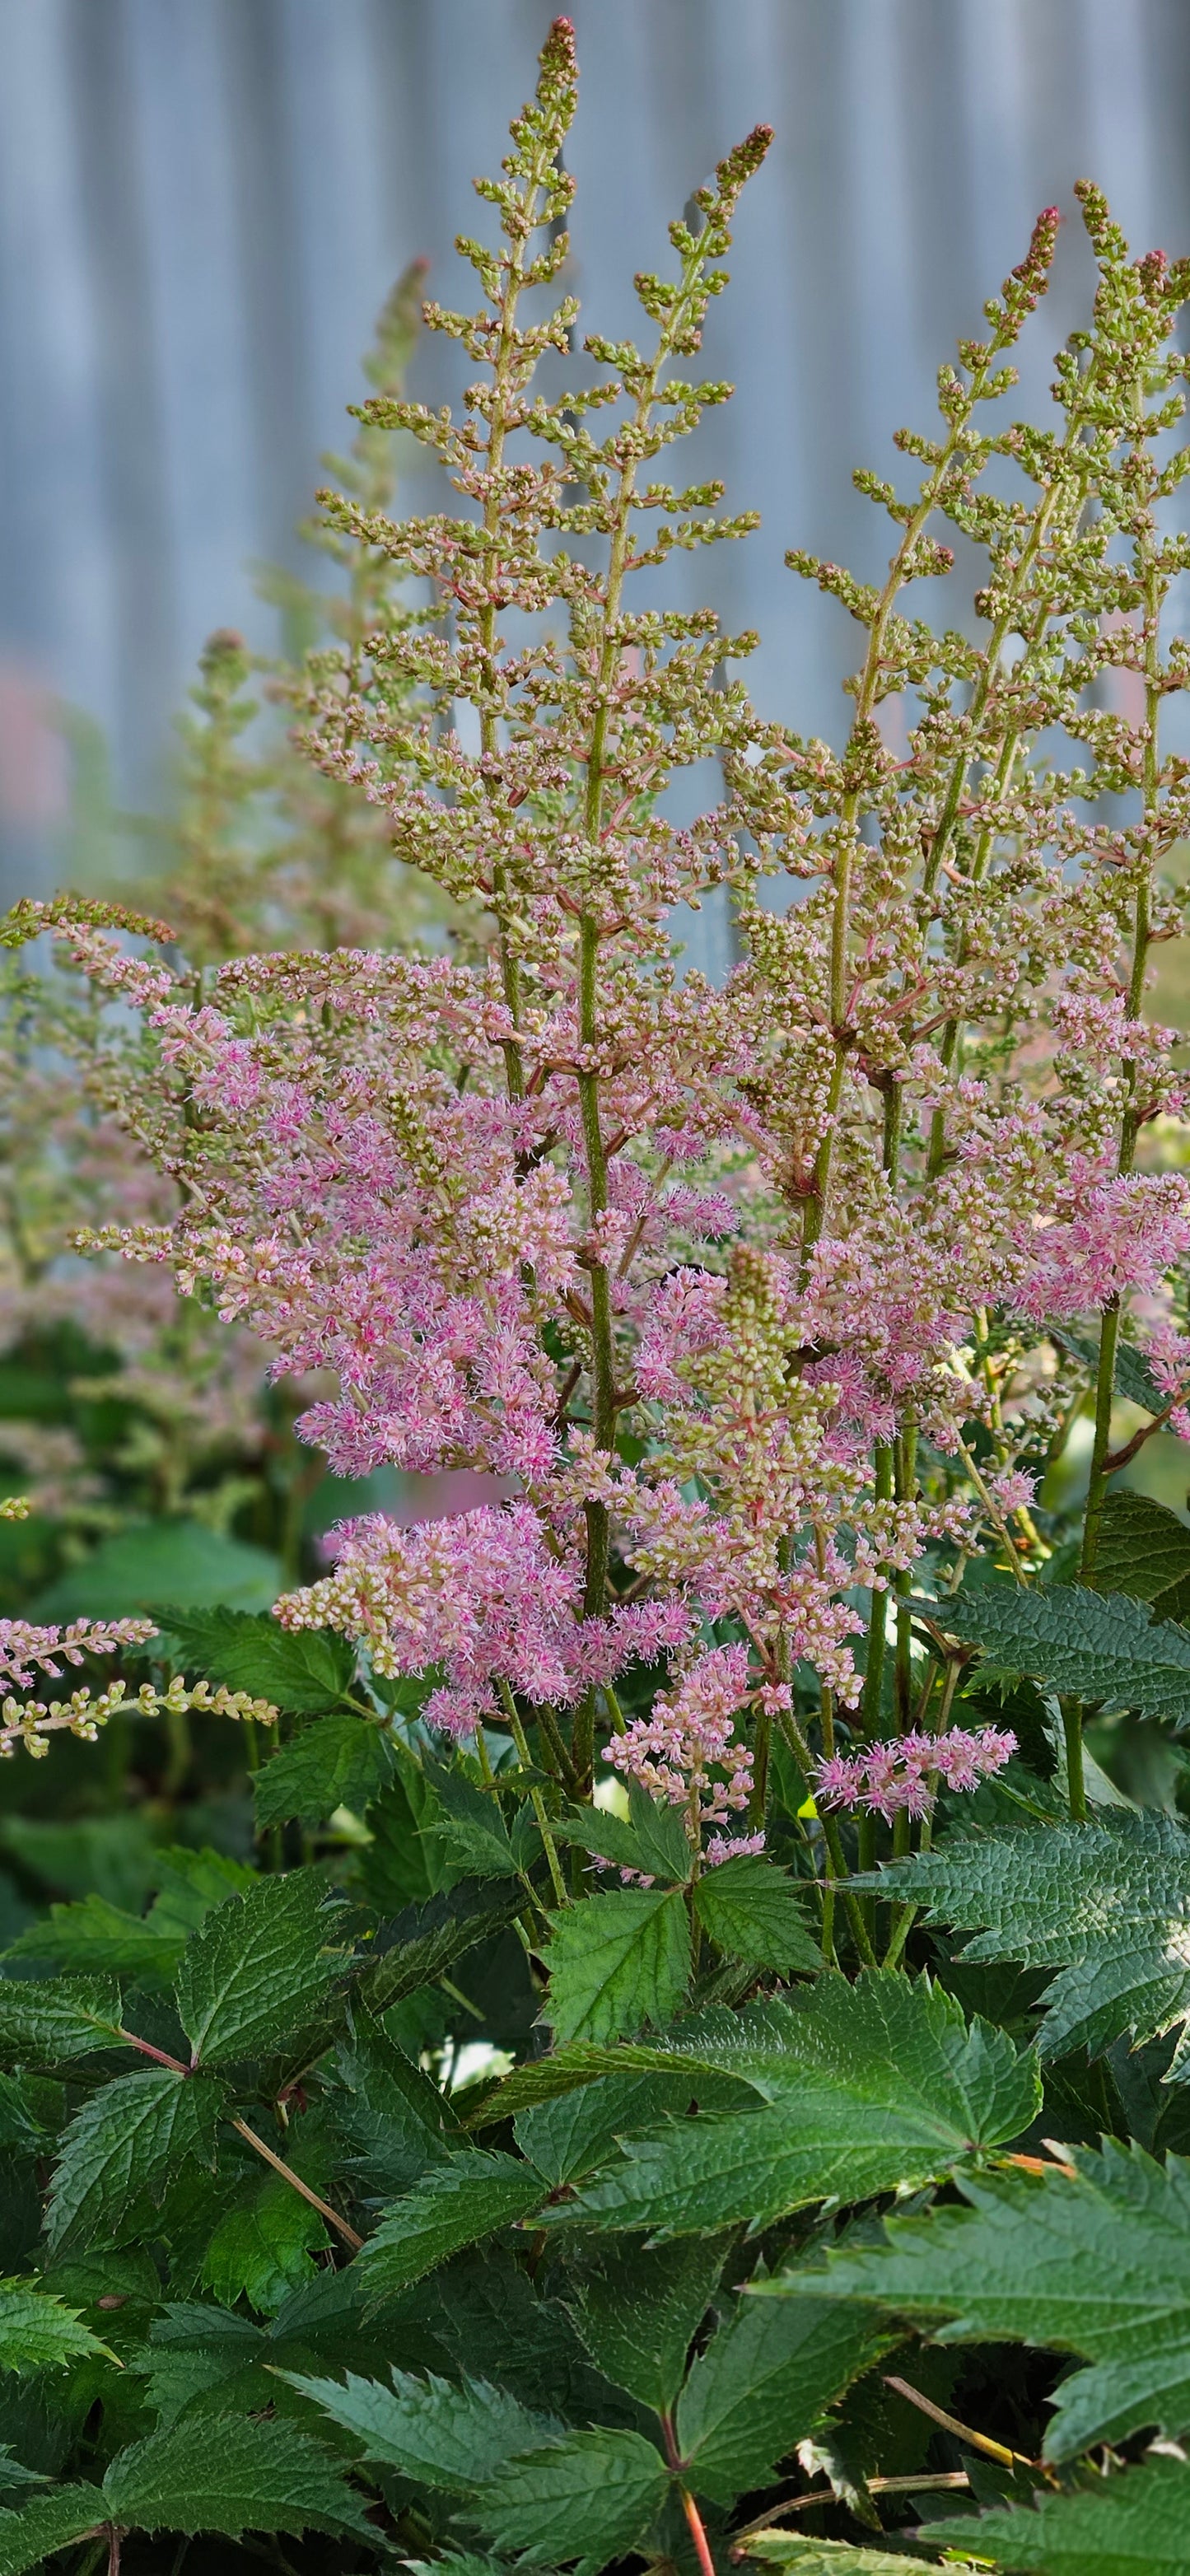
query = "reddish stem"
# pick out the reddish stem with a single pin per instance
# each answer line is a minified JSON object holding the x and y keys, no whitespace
{"x":278,"y":2163}
{"x":702,"y":2546}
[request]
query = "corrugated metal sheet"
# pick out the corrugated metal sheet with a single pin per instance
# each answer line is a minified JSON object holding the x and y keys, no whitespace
{"x":203,"y":202}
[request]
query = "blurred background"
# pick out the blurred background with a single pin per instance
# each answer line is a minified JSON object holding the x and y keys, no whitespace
{"x":204,"y":202}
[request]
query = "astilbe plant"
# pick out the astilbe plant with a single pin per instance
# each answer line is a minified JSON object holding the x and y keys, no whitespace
{"x":668,"y":1772}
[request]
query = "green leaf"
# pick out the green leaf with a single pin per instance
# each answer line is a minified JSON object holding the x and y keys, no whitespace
{"x":103,"y":1938}
{"x":1094,"y":2262}
{"x":257,"y":1969}
{"x":752,"y":2395}
{"x":617,"y":1962}
{"x":573,"y":2132}
{"x":253,"y":2477}
{"x":1144,"y":1550}
{"x":468,"y":1827}
{"x":452,"y":2205}
{"x":427,"y":2429}
{"x":191,"y":1883}
{"x":606,"y":1836}
{"x":588,"y":2496}
{"x":180,"y":1563}
{"x":661,"y":1834}
{"x":1134,"y":1379}
{"x":125,"y":2141}
{"x":115,"y":1856}
{"x":395,"y":2119}
{"x":51,"y":2522}
{"x":307,"y":1671}
{"x":261,"y":2248}
{"x":419,"y":1945}
{"x":638,"y":2313}
{"x":751,"y":1911}
{"x":399,"y":1866}
{"x":865,"y":2088}
{"x":63,"y":2017}
{"x":827,"y":2557}
{"x":1107,"y":1903}
{"x":1098,"y":1646}
{"x":37,"y":2333}
{"x":342,"y":1761}
{"x":1135,"y":2525}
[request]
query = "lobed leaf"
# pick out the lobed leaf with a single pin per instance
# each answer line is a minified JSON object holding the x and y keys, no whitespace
{"x":587,"y":2496}
{"x":341,"y":1761}
{"x":753,"y":2395}
{"x":304,"y":1670}
{"x":638,"y":2312}
{"x":428,"y":2429}
{"x":39,"y":2333}
{"x":256,"y":2476}
{"x":1097,"y":1646}
{"x":751,"y":1911}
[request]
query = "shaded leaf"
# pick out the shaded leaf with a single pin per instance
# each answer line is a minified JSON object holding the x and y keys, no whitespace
{"x":179,"y":1562}
{"x":1094,"y":2262}
{"x":1144,"y":1550}
{"x":572,"y":2133}
{"x":420,"y":1944}
{"x":1098,"y":1646}
{"x":261,"y":2248}
{"x":342,"y":1761}
{"x":396,"y":2120}
{"x":62,"y":2017}
{"x":50,"y":2522}
{"x":638,"y":2313}
{"x":618,"y":1961}
{"x":826,"y":2557}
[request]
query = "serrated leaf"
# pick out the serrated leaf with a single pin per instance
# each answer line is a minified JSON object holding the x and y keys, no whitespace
{"x":1108,"y":1904}
{"x":101,"y":1937}
{"x":61,"y":2017}
{"x":254,"y":2477}
{"x":416,"y":1947}
{"x":257,"y":1969}
{"x":399,"y":1866}
{"x":342,"y":1761}
{"x":125,"y":2141}
{"x":752,"y":2395}
{"x":396,"y":2120}
{"x":38,"y":2333}
{"x":49,"y":2523}
{"x":751,"y":1911}
{"x":452,"y":2205}
{"x":606,"y":1836}
{"x":1143,"y":1550}
{"x":468,"y":1829}
{"x":1134,"y":2525}
{"x":1094,"y":2262}
{"x":1097,"y":1646}
{"x":261,"y":2248}
{"x":826,"y":2557}
{"x":304,"y":1670}
{"x":660,"y":1832}
{"x":570,"y":2134}
{"x":588,"y":2496}
{"x":638,"y":2312}
{"x":865,"y":2088}
{"x":428,"y":2429}
{"x":617,"y":1962}
{"x":1134,"y":1379}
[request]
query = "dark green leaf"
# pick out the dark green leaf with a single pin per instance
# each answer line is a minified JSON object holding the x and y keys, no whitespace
{"x":617,"y":1962}
{"x":305,"y":1670}
{"x":1108,"y":1904}
{"x":261,"y":2248}
{"x":125,"y":2141}
{"x":454,"y":2204}
{"x":49,"y":2523}
{"x":1094,"y":2262}
{"x":638,"y":2312}
{"x":752,"y":2395}
{"x":588,"y":2496}
{"x":394,"y":2117}
{"x":1144,"y":1550}
{"x":751,"y":1910}
{"x":257,"y":1969}
{"x":1135,"y":2525}
{"x":1134,"y":1379}
{"x":102,"y":1938}
{"x":865,"y":2088}
{"x":419,"y":1945}
{"x":1099,"y":1646}
{"x":427,"y":2429}
{"x":827,"y":2557}
{"x":342,"y":1761}
{"x":661,"y":1833}
{"x":253,"y":2477}
{"x":180,"y":1562}
{"x":572,"y":2133}
{"x":400,"y":1866}
{"x":468,"y":1828}
{"x":37,"y":2333}
{"x":63,"y":2017}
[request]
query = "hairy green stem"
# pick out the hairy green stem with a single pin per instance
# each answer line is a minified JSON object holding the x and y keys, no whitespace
{"x":549,"y":1846}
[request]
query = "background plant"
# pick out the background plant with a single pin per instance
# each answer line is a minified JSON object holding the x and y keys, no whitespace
{"x":694,"y":2060}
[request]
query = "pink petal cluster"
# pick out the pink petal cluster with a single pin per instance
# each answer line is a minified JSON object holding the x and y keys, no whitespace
{"x":23,"y":1647}
{"x":690,"y":1737}
{"x":901,"y":1774}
